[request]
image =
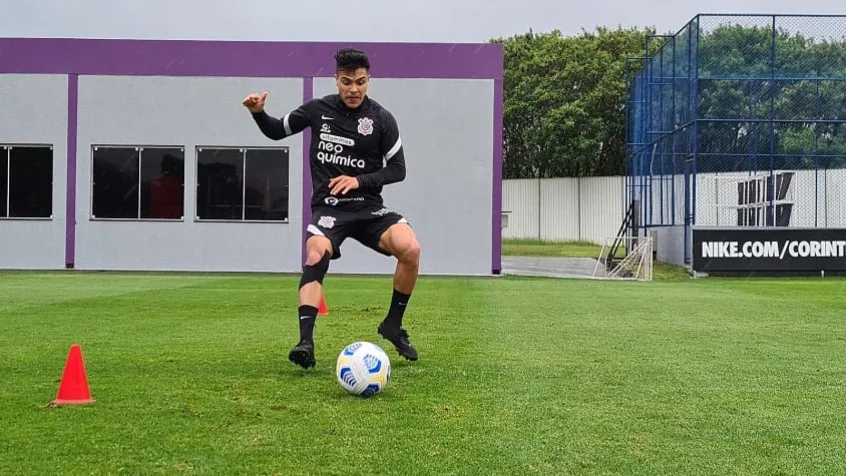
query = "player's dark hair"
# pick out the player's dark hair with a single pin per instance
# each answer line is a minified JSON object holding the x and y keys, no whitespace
{"x":351,"y":59}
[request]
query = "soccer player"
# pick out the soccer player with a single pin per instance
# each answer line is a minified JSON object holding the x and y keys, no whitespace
{"x":355,"y":151}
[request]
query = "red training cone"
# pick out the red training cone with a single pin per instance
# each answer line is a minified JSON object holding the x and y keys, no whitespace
{"x":322,"y":310}
{"x":74,"y":386}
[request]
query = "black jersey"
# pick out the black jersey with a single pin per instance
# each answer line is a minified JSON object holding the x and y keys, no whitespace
{"x":362,"y":142}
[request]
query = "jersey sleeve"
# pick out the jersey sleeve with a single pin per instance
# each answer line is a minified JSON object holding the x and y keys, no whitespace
{"x":292,"y":123}
{"x":390,"y":146}
{"x":390,"y":142}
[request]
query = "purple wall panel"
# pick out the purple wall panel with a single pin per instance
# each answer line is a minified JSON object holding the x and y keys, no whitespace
{"x":308,"y":93}
{"x":70,"y":204}
{"x":496,"y":232}
{"x":243,"y":58}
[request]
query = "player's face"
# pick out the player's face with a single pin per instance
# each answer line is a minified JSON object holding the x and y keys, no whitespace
{"x":352,"y":86}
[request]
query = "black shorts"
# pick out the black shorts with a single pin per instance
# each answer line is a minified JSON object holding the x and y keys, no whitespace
{"x":365,"y":225}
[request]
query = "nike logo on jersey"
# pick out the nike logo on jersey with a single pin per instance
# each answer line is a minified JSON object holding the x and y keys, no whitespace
{"x":326,"y":118}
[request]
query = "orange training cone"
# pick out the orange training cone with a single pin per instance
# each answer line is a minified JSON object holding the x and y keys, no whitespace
{"x":74,"y":386}
{"x":322,"y":310}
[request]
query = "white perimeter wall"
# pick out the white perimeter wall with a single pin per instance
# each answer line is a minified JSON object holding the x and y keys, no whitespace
{"x":819,"y":198}
{"x":591,"y":209}
{"x":564,"y":209}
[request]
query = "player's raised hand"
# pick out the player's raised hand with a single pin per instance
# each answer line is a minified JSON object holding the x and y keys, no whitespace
{"x":342,"y":184}
{"x":255,"y":102}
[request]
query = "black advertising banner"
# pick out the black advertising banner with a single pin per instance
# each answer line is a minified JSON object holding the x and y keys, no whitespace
{"x":769,"y":250}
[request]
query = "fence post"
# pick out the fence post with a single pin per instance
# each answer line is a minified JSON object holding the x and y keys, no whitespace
{"x":540,"y":202}
{"x":579,"y":206}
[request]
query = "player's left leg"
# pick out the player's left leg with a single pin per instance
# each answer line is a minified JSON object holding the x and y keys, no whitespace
{"x":400,"y":241}
{"x":389,"y":233}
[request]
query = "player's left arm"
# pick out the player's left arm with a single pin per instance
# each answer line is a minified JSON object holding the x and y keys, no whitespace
{"x":290,"y":124}
{"x":390,"y":146}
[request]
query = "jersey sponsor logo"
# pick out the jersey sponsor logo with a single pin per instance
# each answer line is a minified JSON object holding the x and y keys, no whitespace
{"x":332,"y":201}
{"x":326,"y":222}
{"x":325,"y":128}
{"x":381,"y":212}
{"x":331,"y":153}
{"x":337,"y":140}
{"x":345,"y":160}
{"x":365,"y":126}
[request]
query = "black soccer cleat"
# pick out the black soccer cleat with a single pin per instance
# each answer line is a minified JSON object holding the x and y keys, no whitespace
{"x":399,"y":337}
{"x":303,"y":355}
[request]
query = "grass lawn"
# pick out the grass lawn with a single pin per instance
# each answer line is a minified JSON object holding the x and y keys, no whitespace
{"x":533,"y":247}
{"x":517,"y":376}
{"x":574,"y":249}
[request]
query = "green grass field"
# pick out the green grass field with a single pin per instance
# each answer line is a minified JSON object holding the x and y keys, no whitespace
{"x":533,"y":247}
{"x":517,"y":376}
{"x":577,"y":249}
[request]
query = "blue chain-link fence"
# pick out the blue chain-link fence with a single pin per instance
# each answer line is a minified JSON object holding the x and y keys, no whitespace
{"x":740,"y":121}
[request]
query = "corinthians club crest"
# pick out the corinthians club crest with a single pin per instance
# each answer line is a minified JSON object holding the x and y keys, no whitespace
{"x":326,"y":222}
{"x":365,"y":126}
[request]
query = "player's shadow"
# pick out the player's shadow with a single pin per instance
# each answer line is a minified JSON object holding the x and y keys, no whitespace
{"x":323,"y":381}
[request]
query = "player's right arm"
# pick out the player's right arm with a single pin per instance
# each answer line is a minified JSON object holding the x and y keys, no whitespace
{"x":272,"y":127}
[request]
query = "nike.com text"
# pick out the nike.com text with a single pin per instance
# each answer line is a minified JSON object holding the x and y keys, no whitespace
{"x":772,"y":249}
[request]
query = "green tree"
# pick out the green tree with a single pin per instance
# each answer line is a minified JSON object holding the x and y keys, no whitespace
{"x":750,"y":75}
{"x":564,"y":102}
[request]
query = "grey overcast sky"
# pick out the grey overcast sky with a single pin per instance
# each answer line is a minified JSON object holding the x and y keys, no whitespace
{"x":360,"y":20}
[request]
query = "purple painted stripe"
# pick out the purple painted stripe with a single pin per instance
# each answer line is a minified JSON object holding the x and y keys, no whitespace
{"x":496,"y":249}
{"x":70,"y":203}
{"x":243,"y":58}
{"x":308,"y":93}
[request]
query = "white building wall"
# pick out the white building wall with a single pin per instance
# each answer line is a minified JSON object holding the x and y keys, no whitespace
{"x":34,"y":110}
{"x":191,"y":112}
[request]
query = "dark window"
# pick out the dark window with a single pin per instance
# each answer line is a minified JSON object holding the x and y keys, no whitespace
{"x":220,"y":174}
{"x":162,"y":183}
{"x":31,"y":182}
{"x":138,"y":182}
{"x":266,"y":179}
{"x":4,"y":182}
{"x":242,"y":184}
{"x":115,"y":186}
{"x":26,"y":181}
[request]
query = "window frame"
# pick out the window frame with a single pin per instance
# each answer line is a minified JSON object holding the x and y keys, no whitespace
{"x":139,"y":149}
{"x":6,"y":154}
{"x":243,"y":150}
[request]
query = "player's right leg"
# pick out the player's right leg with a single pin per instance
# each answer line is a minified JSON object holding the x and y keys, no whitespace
{"x":318,"y":253}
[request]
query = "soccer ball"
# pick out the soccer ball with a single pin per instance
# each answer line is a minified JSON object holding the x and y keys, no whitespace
{"x":363,"y":369}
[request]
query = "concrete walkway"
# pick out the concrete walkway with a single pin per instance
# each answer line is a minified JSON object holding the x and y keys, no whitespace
{"x":551,"y":267}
